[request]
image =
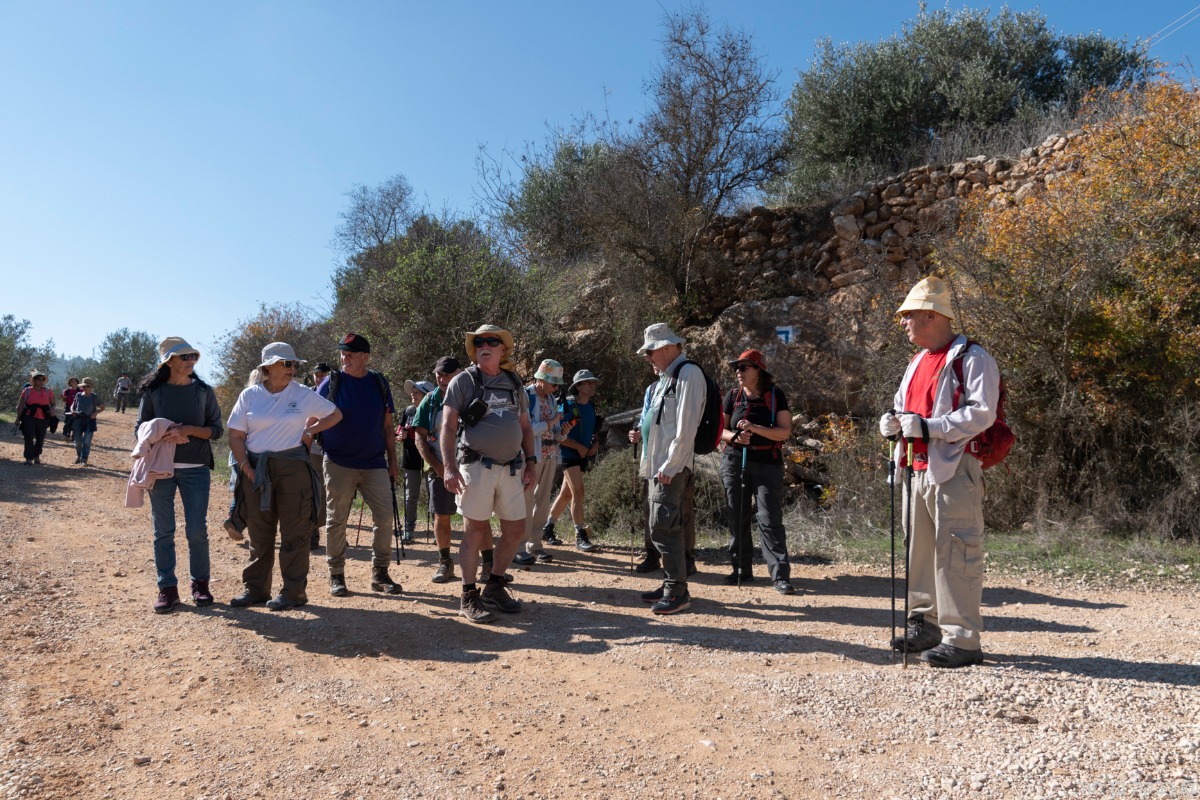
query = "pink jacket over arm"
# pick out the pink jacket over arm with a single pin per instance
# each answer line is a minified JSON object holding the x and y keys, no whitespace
{"x":152,"y":459}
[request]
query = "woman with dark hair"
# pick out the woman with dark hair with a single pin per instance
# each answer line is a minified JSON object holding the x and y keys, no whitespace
{"x":757,"y":423}
{"x":269,"y":428}
{"x":35,"y":411}
{"x":68,"y":398}
{"x":173,"y":392}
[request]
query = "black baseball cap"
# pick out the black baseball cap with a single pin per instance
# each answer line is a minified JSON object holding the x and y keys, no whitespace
{"x":321,"y":367}
{"x":446,"y":365}
{"x":354,"y":343}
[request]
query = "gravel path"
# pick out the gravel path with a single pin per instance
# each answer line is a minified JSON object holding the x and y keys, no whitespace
{"x":1087,"y":691}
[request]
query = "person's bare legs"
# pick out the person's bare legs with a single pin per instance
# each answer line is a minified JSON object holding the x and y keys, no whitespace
{"x":475,"y":534}
{"x":512,"y":532}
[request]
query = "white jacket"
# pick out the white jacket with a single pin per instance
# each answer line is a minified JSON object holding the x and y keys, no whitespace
{"x":949,"y":428}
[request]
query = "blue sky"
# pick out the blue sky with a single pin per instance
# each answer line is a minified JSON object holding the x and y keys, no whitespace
{"x":169,"y":166}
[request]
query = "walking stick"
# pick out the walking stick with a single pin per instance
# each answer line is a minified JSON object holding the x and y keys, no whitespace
{"x":399,"y":548}
{"x":743,"y":523}
{"x":429,"y":507}
{"x":908,"y":512}
{"x":637,"y":507}
{"x":358,"y":533}
{"x":892,"y":526}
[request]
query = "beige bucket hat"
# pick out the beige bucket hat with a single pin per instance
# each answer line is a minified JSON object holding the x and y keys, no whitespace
{"x":930,"y":294}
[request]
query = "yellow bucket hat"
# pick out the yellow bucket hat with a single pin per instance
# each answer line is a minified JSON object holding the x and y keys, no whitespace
{"x":930,"y":294}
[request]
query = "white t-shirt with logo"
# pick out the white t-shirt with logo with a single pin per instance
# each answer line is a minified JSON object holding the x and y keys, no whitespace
{"x":274,"y":422}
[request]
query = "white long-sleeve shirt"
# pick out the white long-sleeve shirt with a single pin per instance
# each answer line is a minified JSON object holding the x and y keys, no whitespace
{"x":669,"y":444}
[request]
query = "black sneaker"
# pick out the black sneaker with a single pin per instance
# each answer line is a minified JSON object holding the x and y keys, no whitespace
{"x":784,"y":586}
{"x":649,"y":564}
{"x":281,"y":602}
{"x":246,"y":599}
{"x":471,"y":607}
{"x":672,"y":605}
{"x":654,"y":596}
{"x":337,"y":586}
{"x":548,"y":534}
{"x":542,"y":557}
{"x":494,"y":595}
{"x":921,"y":635}
{"x":524,"y":559}
{"x":948,"y":656}
{"x":201,"y":596}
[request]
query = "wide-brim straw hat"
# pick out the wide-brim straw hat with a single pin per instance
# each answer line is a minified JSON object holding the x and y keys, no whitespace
{"x":491,"y":330}
{"x":659,"y":335}
{"x":174,"y":346}
{"x":88,"y":382}
{"x":930,"y":294}
{"x":278,"y":351}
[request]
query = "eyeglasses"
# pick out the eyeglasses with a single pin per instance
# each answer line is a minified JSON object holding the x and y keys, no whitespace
{"x":743,"y":367}
{"x":189,"y":357}
{"x":487,"y":341}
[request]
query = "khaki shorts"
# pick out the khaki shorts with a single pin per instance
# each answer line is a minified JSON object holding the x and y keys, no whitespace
{"x":491,"y":491}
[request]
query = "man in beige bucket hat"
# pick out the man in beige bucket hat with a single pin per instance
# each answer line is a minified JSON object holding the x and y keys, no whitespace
{"x":938,"y":417}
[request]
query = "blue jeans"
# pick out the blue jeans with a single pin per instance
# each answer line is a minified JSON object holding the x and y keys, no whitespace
{"x":83,"y":437}
{"x":193,"y":486}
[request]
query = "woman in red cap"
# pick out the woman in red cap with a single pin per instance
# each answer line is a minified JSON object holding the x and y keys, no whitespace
{"x":757,"y":423}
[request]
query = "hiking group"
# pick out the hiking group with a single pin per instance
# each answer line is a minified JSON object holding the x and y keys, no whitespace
{"x":484,"y":444}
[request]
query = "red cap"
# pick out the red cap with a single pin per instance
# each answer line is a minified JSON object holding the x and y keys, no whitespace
{"x":752,"y":357}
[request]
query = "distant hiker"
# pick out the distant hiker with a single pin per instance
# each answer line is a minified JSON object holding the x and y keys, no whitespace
{"x":121,"y":392}
{"x":668,"y":453}
{"x":360,"y":456}
{"x":938,"y":415}
{"x":489,"y":457}
{"x":277,"y":485}
{"x":549,"y":429}
{"x":757,"y":423}
{"x":35,"y":410}
{"x":577,"y":451}
{"x":68,"y":398}
{"x":84,"y":409}
{"x":411,"y":463}
{"x":427,"y":426}
{"x":173,"y":392}
{"x":317,"y":456}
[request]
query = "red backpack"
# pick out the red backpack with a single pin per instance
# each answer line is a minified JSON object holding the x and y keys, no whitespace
{"x":993,"y":445}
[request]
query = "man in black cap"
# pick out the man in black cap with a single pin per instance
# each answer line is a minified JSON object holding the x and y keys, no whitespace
{"x":360,"y":455}
{"x":426,"y":425}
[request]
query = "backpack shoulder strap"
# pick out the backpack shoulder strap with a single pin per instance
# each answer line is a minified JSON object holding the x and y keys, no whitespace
{"x":334,"y":378}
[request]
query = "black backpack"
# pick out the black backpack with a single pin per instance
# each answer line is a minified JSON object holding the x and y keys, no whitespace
{"x":712,"y":421}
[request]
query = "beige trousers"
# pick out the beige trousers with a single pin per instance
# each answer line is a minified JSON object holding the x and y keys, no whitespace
{"x":376,"y":490}
{"x":945,"y":568}
{"x":539,"y":495}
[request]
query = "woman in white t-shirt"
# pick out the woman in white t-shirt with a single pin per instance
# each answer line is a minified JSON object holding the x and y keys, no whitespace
{"x":269,"y":428}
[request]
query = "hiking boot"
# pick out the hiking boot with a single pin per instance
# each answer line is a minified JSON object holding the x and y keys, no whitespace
{"x":37,"y":459}
{"x":582,"y":541}
{"x":542,"y":557}
{"x":494,"y":595}
{"x":739,"y":576}
{"x":524,"y":559}
{"x":921,"y":635}
{"x":548,"y":534}
{"x":485,"y":571}
{"x":654,"y":596}
{"x":471,"y":607}
{"x":337,"y":586}
{"x":78,"y":460}
{"x":649,"y":564}
{"x":168,"y":598}
{"x":408,"y":537}
{"x":784,"y":586}
{"x":282,"y":602}
{"x":246,"y":598}
{"x":382,"y":582}
{"x":232,"y":530}
{"x":672,"y":605}
{"x":201,"y":596}
{"x":948,"y":656}
{"x":445,"y":571}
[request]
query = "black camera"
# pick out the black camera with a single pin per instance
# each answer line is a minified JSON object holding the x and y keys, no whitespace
{"x":474,"y":412}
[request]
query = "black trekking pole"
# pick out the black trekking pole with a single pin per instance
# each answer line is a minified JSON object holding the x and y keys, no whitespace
{"x":743,"y":523}
{"x":892,"y":527}
{"x":396,"y":525}
{"x":637,"y":508}
{"x":908,"y":513}
{"x":429,"y":507}
{"x":358,"y":533}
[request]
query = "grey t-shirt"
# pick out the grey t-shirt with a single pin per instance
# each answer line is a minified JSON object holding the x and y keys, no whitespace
{"x":498,"y":435}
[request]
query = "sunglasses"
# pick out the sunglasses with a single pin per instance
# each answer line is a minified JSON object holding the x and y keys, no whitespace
{"x":289,"y":364}
{"x":189,"y":357}
{"x":487,"y":341}
{"x":743,"y":367}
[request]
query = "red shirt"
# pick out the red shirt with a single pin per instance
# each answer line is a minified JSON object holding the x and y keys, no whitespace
{"x":918,"y":396}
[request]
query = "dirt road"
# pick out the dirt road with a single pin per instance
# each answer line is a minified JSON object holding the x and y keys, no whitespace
{"x":1086,"y":693}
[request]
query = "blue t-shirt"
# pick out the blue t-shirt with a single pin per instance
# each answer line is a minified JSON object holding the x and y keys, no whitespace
{"x":584,"y":431}
{"x":357,"y":441}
